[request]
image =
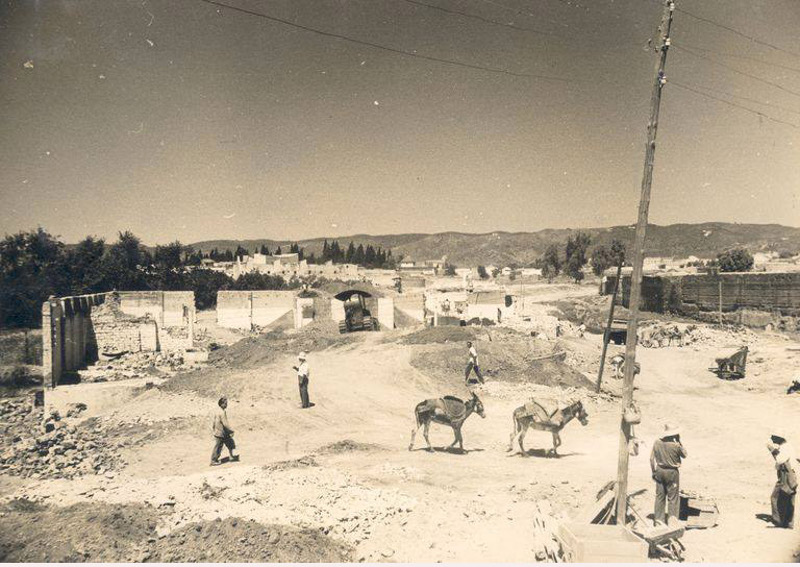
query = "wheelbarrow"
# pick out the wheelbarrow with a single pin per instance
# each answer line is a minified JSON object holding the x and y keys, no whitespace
{"x":732,"y":367}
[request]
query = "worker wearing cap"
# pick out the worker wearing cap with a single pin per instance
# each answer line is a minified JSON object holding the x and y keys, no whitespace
{"x":302,"y":379}
{"x":665,"y":463}
{"x":783,"y":495}
{"x":472,"y":364}
{"x":223,"y":434}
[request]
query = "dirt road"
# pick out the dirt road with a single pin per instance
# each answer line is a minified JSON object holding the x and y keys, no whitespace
{"x":394,"y":505}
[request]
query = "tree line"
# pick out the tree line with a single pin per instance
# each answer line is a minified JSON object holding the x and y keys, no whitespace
{"x":368,"y":257}
{"x":574,"y":258}
{"x":35,"y":265}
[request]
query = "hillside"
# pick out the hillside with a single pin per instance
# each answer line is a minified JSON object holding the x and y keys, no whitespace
{"x":704,"y":240}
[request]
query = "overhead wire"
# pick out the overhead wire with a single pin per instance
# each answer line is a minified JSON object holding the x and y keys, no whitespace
{"x":749,"y":99}
{"x":474,"y":17}
{"x":743,"y":57}
{"x":394,"y":50}
{"x":735,"y":31}
{"x":733,"y":104}
{"x":735,"y":70}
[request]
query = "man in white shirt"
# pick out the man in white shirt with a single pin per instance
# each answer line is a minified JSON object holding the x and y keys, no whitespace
{"x":223,"y":434}
{"x":472,"y":364}
{"x":303,"y":374}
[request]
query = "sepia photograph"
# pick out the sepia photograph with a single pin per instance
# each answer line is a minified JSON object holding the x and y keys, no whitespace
{"x":399,"y":281}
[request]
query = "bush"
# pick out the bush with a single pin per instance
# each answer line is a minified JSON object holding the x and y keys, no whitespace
{"x":205,"y":284}
{"x":736,"y":260}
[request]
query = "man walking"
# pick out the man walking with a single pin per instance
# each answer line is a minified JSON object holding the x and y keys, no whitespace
{"x":303,"y":373}
{"x":783,"y":495}
{"x":665,"y":463}
{"x":223,"y":434}
{"x":472,"y":364}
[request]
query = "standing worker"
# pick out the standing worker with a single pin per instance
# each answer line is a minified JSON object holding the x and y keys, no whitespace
{"x":473,"y":364}
{"x":665,"y":463}
{"x":783,"y":494}
{"x":303,"y":374}
{"x":223,"y":434}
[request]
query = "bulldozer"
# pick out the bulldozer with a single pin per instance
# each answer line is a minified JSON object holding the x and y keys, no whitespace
{"x":356,"y":315}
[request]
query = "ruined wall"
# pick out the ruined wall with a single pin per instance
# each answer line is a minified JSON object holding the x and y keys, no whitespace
{"x":167,"y":308}
{"x":761,"y":291}
{"x":75,"y":329}
{"x":115,"y":331}
{"x":67,"y":335}
{"x":754,"y":299}
{"x":243,"y":309}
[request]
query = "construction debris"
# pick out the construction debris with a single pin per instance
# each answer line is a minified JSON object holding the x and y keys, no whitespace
{"x":698,"y":512}
{"x":124,"y":366}
{"x":36,"y":446}
{"x":546,"y":545}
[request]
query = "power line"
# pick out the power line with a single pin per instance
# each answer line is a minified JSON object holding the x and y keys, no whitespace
{"x":384,"y":47}
{"x":521,"y":13}
{"x":744,"y":57}
{"x":733,"y":104}
{"x":735,"y":31}
{"x":735,"y":70}
{"x":748,"y":99}
{"x":474,"y":17}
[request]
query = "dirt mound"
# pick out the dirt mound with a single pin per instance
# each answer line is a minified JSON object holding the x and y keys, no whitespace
{"x":346,"y":446}
{"x":237,"y":540}
{"x":438,"y":335}
{"x":256,"y":351}
{"x":107,"y":533}
{"x":79,"y":533}
{"x":301,"y":463}
{"x":508,"y":361}
{"x":262,"y":349}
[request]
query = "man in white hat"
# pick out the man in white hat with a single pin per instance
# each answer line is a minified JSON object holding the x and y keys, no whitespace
{"x":303,"y":374}
{"x":783,"y":495}
{"x":472,"y":364}
{"x":665,"y":462}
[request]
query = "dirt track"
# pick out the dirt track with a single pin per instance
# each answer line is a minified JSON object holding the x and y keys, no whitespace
{"x":393,"y":505}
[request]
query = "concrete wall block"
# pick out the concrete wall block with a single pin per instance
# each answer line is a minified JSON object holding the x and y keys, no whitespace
{"x":304,"y":312}
{"x":337,"y":310}
{"x":386,"y":313}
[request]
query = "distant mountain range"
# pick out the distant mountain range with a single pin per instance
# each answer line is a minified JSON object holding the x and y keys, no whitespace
{"x":704,"y":240}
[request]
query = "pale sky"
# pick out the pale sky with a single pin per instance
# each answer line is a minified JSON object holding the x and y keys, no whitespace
{"x":177,"y":119}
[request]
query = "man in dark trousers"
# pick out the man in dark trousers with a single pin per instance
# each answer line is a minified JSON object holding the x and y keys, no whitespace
{"x":472,"y":364}
{"x":303,"y":374}
{"x":783,"y":494}
{"x":223,"y":434}
{"x":665,"y":462}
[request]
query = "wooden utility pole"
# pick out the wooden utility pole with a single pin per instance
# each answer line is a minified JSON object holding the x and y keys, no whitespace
{"x":638,"y":261}
{"x":608,"y":325}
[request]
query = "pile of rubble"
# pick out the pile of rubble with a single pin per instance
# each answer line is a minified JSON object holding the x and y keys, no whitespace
{"x":135,"y":365}
{"x":36,"y":446}
{"x":659,"y":334}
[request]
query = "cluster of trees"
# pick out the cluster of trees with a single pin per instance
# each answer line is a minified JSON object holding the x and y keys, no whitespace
{"x":369,"y":257}
{"x":35,"y":265}
{"x":228,"y":256}
{"x":552,"y":263}
{"x":735,"y":260}
{"x":604,"y":258}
